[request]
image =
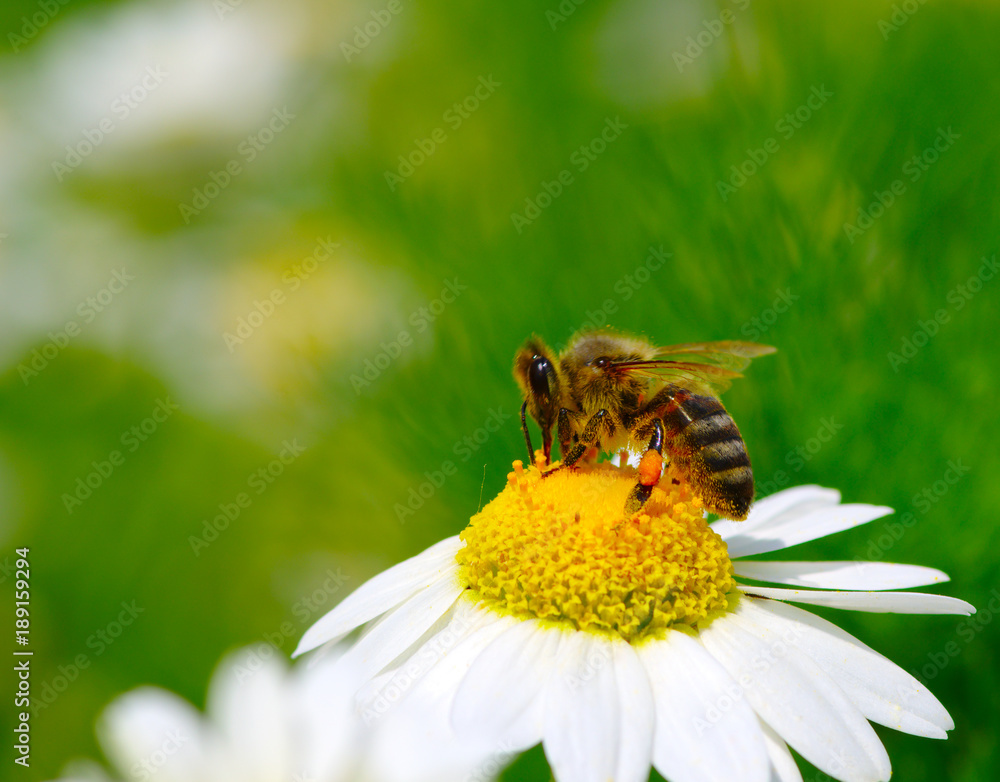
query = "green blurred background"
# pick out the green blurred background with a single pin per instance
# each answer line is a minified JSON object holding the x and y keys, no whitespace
{"x":307,"y":113}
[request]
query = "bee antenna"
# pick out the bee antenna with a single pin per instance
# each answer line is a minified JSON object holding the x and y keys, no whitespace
{"x":527,"y":435}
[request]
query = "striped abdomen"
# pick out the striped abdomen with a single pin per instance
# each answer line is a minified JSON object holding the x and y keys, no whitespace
{"x":703,"y":441}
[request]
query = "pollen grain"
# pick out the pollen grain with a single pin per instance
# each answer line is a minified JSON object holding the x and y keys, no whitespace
{"x":561,"y":550}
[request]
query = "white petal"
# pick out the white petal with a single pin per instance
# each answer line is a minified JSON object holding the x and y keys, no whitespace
{"x":778,"y":508}
{"x":803,"y":705}
{"x":705,"y":730}
{"x":249,"y":704}
{"x":876,"y":602}
{"x":324,"y":720}
{"x":150,"y":720}
{"x":382,"y":593}
{"x":410,"y":746}
{"x":434,"y":671}
{"x":883,"y":691}
{"x":790,"y":529}
{"x":414,"y":731}
{"x":841,"y":575}
{"x":638,"y":712}
{"x":582,"y":711}
{"x":506,"y":680}
{"x":391,"y":636}
{"x":783,"y":765}
{"x":395,"y":681}
{"x":526,"y":731}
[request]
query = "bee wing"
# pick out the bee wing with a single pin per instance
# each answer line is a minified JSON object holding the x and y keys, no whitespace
{"x":700,"y":378}
{"x":730,"y":354}
{"x":703,"y":367}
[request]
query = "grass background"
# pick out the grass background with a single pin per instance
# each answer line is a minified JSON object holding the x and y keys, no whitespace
{"x":854,"y":303}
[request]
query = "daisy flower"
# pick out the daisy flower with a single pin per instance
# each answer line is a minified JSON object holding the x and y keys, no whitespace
{"x":624,"y":643}
{"x":264,"y":722}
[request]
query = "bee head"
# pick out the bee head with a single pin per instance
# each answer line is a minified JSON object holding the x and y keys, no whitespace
{"x":535,"y":370}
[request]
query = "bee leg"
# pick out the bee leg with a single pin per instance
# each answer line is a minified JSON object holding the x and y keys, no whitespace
{"x":589,"y":438}
{"x":650,"y":468}
{"x":565,"y":432}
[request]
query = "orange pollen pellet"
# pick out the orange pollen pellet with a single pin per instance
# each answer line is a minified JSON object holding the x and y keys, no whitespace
{"x":650,"y":468}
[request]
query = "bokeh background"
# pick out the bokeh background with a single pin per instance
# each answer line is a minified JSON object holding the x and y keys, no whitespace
{"x":233,"y":233}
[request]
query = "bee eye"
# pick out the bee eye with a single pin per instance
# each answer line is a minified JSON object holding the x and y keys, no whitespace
{"x":538,"y":376}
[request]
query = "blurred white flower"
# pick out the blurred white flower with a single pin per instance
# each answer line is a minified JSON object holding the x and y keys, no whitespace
{"x":650,"y":54}
{"x":158,"y":71}
{"x":151,"y":98}
{"x":263,"y":722}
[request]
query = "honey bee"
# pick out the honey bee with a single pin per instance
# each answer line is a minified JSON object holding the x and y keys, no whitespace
{"x":608,"y":391}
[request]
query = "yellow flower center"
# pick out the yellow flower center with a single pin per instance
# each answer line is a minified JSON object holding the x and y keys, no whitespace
{"x":561,"y":549}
